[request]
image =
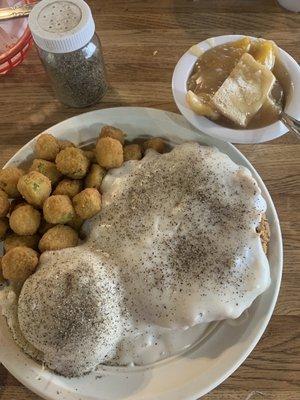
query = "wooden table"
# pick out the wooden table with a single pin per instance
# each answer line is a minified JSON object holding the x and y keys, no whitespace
{"x":142,"y":41}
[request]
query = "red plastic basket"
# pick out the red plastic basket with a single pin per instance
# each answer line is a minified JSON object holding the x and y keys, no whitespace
{"x":17,"y":51}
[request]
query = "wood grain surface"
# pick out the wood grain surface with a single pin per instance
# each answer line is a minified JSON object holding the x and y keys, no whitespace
{"x":142,"y":41}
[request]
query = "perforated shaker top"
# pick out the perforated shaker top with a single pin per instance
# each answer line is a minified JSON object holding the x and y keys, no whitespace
{"x":61,"y":26}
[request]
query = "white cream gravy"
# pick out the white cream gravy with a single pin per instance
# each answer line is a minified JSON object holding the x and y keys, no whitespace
{"x":174,"y":248}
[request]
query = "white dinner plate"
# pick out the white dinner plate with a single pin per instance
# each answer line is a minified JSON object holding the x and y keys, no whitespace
{"x":206,"y":364}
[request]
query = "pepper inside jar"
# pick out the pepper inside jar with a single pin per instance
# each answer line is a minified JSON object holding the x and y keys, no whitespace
{"x":70,"y":50}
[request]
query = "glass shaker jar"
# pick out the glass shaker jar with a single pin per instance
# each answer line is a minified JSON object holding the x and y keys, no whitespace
{"x":70,"y":50}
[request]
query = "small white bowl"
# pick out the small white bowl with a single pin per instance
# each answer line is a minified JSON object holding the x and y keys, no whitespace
{"x":182,"y":72}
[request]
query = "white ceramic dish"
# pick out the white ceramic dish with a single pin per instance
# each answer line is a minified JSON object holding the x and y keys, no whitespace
{"x":291,"y":5}
{"x":182,"y":72}
{"x":209,"y":362}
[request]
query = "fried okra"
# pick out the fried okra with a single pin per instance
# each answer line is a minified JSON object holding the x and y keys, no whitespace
{"x":63,"y":144}
{"x":44,"y":226}
{"x":19,"y":263}
{"x":72,"y":162}
{"x":2,"y":279}
{"x":47,"y":147}
{"x":109,"y":153}
{"x":9,"y":178}
{"x":112,"y":132}
{"x":94,"y":177}
{"x":155,"y":143}
{"x":58,"y":209}
{"x":68,"y":187}
{"x":14,"y":240}
{"x":58,"y":237}
{"x":46,"y":168}
{"x":132,"y":152}
{"x":76,"y":222}
{"x":35,"y":188}
{"x":16,"y":203}
{"x":4,"y":204}
{"x":87,"y":203}
{"x":90,"y":155}
{"x":25,"y":220}
{"x":4,"y":226}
